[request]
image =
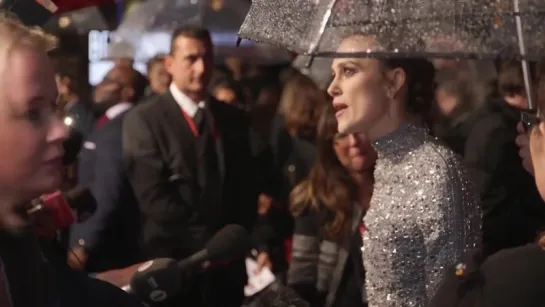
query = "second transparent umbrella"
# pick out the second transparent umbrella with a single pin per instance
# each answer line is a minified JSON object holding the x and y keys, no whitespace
{"x":159,"y":17}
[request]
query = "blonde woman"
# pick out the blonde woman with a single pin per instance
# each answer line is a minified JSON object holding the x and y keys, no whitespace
{"x":31,"y":137}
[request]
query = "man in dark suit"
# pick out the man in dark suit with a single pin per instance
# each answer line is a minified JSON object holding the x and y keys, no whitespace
{"x":109,"y":238}
{"x":80,"y":114}
{"x":190,"y":161}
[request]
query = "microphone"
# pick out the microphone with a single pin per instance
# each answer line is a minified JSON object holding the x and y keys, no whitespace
{"x":160,"y":279}
{"x":230,"y":242}
{"x":63,"y":205}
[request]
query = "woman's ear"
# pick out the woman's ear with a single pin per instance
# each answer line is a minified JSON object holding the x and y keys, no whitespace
{"x":396,"y":79}
{"x":535,"y":136}
{"x":541,"y":128}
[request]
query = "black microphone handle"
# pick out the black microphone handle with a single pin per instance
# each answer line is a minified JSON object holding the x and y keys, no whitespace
{"x":195,"y":259}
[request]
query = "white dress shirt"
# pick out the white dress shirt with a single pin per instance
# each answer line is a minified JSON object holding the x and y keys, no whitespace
{"x":119,"y":108}
{"x":187,"y":104}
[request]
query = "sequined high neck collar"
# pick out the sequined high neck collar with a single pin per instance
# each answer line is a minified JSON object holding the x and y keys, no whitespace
{"x":400,"y":141}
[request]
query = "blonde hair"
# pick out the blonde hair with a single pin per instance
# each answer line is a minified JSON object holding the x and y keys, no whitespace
{"x":13,"y":34}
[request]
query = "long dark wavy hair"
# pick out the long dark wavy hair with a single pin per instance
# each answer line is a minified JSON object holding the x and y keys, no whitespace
{"x":329,"y":183}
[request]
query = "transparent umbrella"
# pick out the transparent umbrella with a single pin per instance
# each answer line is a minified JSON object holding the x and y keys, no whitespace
{"x":156,"y":19}
{"x":477,"y":29}
{"x":82,"y":20}
{"x":319,"y":71}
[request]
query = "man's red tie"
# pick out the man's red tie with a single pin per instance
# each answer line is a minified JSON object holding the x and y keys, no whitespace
{"x":101,"y":121}
{"x":5,"y":296}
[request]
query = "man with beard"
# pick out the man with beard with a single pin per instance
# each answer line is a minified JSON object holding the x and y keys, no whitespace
{"x":108,"y":239}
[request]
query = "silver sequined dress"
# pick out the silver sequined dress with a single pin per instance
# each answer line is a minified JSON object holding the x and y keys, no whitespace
{"x":423,"y":216}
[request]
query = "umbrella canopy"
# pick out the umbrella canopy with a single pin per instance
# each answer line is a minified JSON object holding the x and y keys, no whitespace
{"x":82,"y":20}
{"x":319,"y":72}
{"x":166,"y":15}
{"x":159,"y":18}
{"x":447,"y":28}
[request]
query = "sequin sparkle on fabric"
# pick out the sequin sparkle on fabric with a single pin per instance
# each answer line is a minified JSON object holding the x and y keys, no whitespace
{"x":423,"y":217}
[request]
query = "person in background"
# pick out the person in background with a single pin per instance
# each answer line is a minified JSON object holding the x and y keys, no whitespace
{"x":79,"y":112}
{"x":293,"y":132}
{"x":159,"y":78}
{"x":457,"y":99}
{"x":513,"y":276}
{"x":123,"y":61}
{"x":328,"y":207}
{"x":78,"y":116}
{"x":513,"y":210}
{"x":31,"y":134}
{"x":264,"y":108}
{"x":235,"y":67}
{"x":109,"y":238}
{"x":190,"y":160}
{"x":292,"y":140}
{"x":511,"y":84}
{"x":224,"y":89}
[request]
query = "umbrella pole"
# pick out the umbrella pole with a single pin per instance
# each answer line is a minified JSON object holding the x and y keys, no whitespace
{"x":323,"y":24}
{"x":524,"y":62}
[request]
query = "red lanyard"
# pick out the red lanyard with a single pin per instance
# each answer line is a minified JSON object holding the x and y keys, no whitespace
{"x":193,"y":127}
{"x":191,"y":124}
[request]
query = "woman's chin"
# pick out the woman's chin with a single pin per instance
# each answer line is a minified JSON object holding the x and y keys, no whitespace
{"x":347,"y":127}
{"x":47,"y":184}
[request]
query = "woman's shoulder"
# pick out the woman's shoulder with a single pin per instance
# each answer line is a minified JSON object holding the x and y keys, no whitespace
{"x":438,"y":158}
{"x":311,"y":210}
{"x":443,"y":171}
{"x":311,"y":218}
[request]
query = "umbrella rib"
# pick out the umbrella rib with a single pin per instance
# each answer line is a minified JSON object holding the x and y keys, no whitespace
{"x":427,"y":54}
{"x":325,"y":20}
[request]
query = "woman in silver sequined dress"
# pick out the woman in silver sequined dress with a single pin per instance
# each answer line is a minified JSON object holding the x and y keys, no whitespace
{"x":423,"y":215}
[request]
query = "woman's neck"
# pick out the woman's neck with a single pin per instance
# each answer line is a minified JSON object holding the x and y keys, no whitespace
{"x":386,"y":126}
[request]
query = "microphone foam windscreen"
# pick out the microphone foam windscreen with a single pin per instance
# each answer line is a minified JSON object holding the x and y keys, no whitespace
{"x":231,"y":241}
{"x":77,"y":195}
{"x":63,"y":215}
{"x":157,"y":280}
{"x":82,"y":201}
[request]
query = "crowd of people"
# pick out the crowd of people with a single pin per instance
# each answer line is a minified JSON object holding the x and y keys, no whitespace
{"x":405,"y":182}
